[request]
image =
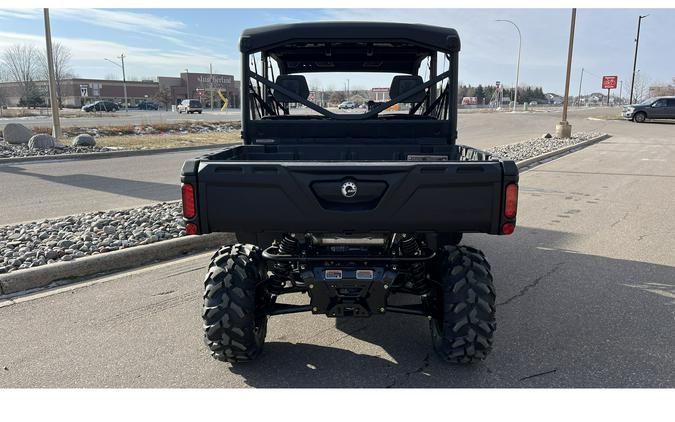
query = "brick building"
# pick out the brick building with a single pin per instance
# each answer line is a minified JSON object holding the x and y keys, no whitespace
{"x":76,"y":92}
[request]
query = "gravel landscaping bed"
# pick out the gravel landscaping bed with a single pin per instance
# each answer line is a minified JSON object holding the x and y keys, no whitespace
{"x":533,"y":147}
{"x":22,"y":150}
{"x":64,"y":239}
{"x":8,"y":150}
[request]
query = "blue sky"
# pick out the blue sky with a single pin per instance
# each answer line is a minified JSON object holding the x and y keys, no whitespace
{"x":166,"y":41}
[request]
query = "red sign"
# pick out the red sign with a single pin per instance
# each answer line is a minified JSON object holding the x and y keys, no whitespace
{"x":609,"y":82}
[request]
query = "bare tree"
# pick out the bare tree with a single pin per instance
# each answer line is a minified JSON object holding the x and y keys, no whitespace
{"x":640,"y":87}
{"x":163,"y":96}
{"x":20,"y":63}
{"x":3,"y":99}
{"x":62,"y":70}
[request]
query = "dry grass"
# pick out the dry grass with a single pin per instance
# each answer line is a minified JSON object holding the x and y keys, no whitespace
{"x":42,"y":129}
{"x":168,"y":140}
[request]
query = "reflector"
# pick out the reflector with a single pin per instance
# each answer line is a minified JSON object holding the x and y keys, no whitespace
{"x":508,"y":228}
{"x":511,"y":200}
{"x":188,"y":194}
{"x":190,"y":228}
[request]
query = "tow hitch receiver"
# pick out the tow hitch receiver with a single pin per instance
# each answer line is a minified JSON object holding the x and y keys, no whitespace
{"x":348,"y":291}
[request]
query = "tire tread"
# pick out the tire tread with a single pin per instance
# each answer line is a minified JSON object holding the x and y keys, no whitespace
{"x":465,"y":332}
{"x":229,"y":311}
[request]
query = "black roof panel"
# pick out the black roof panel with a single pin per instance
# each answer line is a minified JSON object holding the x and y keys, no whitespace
{"x":267,"y":37}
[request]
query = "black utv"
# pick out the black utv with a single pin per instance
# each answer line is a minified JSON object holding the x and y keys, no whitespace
{"x":355,"y":210}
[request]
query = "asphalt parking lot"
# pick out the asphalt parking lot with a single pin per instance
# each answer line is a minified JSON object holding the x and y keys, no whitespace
{"x":585,"y":293}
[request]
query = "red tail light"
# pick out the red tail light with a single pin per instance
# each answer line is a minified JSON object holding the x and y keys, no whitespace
{"x":189,"y":207}
{"x":511,"y":200}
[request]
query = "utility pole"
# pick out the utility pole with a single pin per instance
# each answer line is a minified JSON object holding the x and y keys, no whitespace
{"x":621,"y":93}
{"x":211,"y":80}
{"x":580,"y":82}
{"x":637,"y":44}
{"x":564,"y":129}
{"x":520,"y":43}
{"x":187,"y":84}
{"x":53,"y":97}
{"x":124,"y":78}
{"x":124,"y":83}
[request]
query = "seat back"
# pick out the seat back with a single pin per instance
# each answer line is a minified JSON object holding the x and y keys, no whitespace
{"x":294,"y":83}
{"x":403,"y":83}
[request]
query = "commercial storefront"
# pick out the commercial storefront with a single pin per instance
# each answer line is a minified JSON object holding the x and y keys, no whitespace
{"x":202,"y":86}
{"x":166,"y":90}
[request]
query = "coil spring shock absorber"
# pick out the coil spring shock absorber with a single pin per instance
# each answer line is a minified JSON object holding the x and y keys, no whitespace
{"x":281,"y":271}
{"x":409,"y":247}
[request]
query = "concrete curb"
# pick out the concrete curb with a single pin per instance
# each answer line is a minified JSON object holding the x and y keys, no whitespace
{"x":108,"y":154}
{"x":44,"y":275}
{"x":543,"y":157}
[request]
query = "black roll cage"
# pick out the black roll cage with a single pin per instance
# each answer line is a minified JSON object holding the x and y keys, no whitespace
{"x":447,"y":99}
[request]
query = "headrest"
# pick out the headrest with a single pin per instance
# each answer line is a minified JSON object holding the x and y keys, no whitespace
{"x":294,"y":83}
{"x":403,"y":83}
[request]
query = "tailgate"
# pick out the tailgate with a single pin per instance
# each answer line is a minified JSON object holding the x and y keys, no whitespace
{"x":319,"y":196}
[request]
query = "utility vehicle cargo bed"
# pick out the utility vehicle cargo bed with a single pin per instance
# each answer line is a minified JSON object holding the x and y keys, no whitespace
{"x":300,"y":188}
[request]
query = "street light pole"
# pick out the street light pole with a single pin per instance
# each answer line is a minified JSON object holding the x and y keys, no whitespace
{"x":520,"y":44}
{"x":124,"y":83}
{"x":637,"y":44}
{"x":124,"y":78}
{"x":211,"y":82}
{"x":53,"y":97}
{"x":581,"y":80}
{"x":564,"y":129}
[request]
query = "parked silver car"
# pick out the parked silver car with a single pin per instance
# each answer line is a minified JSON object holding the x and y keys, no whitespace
{"x":190,"y":106}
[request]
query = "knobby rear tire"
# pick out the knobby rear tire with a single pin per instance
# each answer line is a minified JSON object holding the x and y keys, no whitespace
{"x":234,"y":323}
{"x":463,"y":331}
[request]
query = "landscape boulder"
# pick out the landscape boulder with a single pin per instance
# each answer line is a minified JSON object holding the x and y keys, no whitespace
{"x":84,"y":140}
{"x":41,"y":141}
{"x":15,"y":133}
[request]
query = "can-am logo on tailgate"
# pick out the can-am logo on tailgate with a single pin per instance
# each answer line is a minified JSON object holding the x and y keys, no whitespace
{"x":348,"y":189}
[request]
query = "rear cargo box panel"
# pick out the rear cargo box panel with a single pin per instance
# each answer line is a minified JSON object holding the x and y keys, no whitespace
{"x":306,"y":196}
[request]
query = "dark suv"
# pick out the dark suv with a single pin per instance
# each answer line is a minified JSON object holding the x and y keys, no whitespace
{"x":652,"y":108}
{"x":148,"y":105}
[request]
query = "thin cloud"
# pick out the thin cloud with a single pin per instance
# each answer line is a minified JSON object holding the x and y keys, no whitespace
{"x":20,"y":14}
{"x":86,"y":51}
{"x":147,"y":24}
{"x":121,"y":20}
